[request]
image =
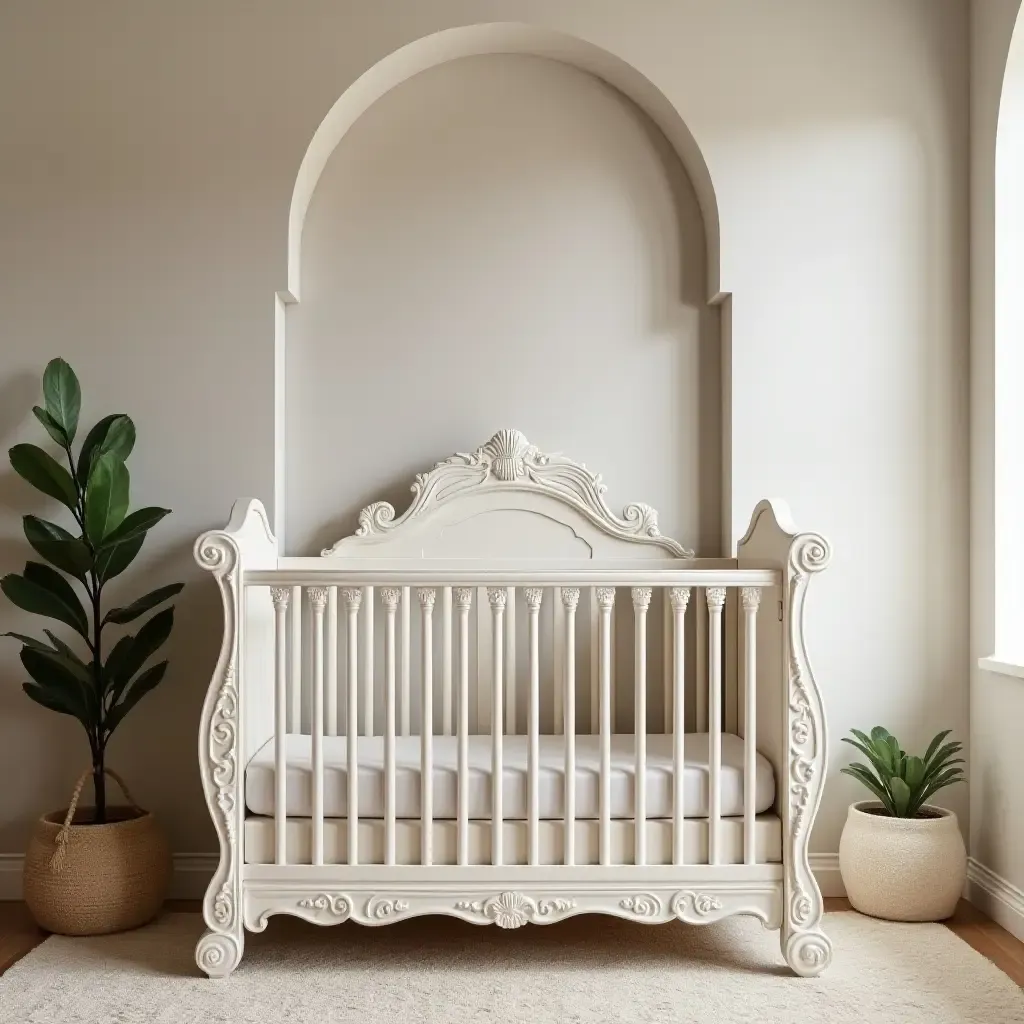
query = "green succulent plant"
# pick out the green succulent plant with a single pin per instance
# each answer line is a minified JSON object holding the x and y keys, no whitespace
{"x":904,"y":783}
{"x":100,"y":687}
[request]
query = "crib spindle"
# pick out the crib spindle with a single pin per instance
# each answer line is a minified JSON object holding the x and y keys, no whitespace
{"x":427,"y":597}
{"x":716,"y":602}
{"x":318,"y":601}
{"x":666,"y":664}
{"x":700,"y":657}
{"x":497,"y":597}
{"x":353,"y":599}
{"x":446,"y":661}
{"x":280,"y":596}
{"x":391,"y":596}
{"x":605,"y":601}
{"x":595,"y":656}
{"x":331,"y":696}
{"x":751,"y":601}
{"x":534,"y":596}
{"x":558,"y":657}
{"x":641,"y":602}
{"x":296,"y":653}
{"x":679,"y":598}
{"x":368,"y":661}
{"x":463,"y":597}
{"x":510,"y":660}
{"x":570,"y":599}
{"x":406,"y":661}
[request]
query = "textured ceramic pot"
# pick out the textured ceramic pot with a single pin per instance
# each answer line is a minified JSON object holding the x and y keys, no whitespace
{"x":902,"y":869}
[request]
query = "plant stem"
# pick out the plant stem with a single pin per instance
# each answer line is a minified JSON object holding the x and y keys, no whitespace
{"x":99,"y":783}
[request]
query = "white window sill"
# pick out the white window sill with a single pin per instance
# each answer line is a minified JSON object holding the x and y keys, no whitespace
{"x":1002,"y":667}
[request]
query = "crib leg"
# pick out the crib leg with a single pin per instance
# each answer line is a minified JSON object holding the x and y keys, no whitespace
{"x":218,"y":953}
{"x":808,"y":951}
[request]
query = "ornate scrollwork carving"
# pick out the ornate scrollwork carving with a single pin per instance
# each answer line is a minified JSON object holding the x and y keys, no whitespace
{"x":716,"y":598}
{"x":691,"y":906}
{"x":641,"y":598}
{"x":534,"y":597}
{"x":508,"y":460}
{"x":643,"y":904}
{"x":380,"y":909}
{"x":571,"y":597}
{"x":462,"y":596}
{"x":427,"y":596}
{"x":605,"y":598}
{"x":680,"y":598}
{"x":337,"y":905}
{"x":514,"y":909}
{"x":497,"y":597}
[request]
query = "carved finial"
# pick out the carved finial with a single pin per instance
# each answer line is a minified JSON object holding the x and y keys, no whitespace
{"x":641,"y":598}
{"x":680,"y":598}
{"x":318,"y":598}
{"x":427,"y":596}
{"x":497,"y":597}
{"x":463,"y":597}
{"x":353,"y":598}
{"x":390,"y":596}
{"x":570,"y":597}
{"x":280,"y":596}
{"x":751,"y":597}
{"x":534,"y":596}
{"x":605,"y":598}
{"x":716,"y":598}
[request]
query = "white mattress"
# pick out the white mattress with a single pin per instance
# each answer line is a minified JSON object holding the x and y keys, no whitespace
{"x":259,"y":841}
{"x":259,"y":777}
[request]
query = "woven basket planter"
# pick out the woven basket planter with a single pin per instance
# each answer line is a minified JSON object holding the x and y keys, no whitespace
{"x":94,"y":879}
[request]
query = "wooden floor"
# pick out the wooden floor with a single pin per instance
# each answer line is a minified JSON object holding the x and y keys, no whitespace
{"x":19,"y":934}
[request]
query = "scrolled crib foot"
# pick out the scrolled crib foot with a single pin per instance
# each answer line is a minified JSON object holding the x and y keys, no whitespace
{"x":218,"y":954}
{"x":807,"y":953}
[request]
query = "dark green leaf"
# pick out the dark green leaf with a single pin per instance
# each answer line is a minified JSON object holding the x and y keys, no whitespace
{"x":62,"y":395}
{"x":55,"y":677}
{"x":862,"y":775}
{"x":30,"y":596}
{"x":913,"y":773}
{"x":54,"y":700}
{"x":138,"y":648}
{"x":900,"y":796}
{"x":139,"y":522}
{"x":112,"y":562}
{"x":146,"y":682}
{"x":935,"y":743}
{"x":53,"y":428}
{"x":106,"y":498}
{"x":143,"y":604}
{"x":57,"y":546}
{"x":74,"y":662}
{"x":29,"y":641}
{"x":44,"y":473}
{"x":44,"y":576}
{"x":881,"y":764}
{"x":114,"y":434}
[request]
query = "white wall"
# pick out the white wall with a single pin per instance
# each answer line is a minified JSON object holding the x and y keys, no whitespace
{"x":997,"y":700}
{"x":147,"y":157}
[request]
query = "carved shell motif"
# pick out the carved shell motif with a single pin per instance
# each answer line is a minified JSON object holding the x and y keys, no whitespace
{"x":509,"y":910}
{"x":507,"y":452}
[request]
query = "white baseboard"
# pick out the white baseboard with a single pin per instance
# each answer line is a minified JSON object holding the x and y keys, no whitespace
{"x":995,"y":896}
{"x":192,"y":872}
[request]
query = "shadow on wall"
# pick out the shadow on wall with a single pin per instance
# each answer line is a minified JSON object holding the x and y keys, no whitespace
{"x":503,"y":241}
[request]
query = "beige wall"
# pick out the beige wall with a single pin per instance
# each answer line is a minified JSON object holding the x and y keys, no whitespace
{"x":997,"y":701}
{"x":147,"y":157}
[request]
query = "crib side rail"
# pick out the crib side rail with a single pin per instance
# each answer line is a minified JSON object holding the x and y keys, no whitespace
{"x":372,"y":683}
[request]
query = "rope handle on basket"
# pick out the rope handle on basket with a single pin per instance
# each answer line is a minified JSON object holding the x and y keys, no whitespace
{"x":64,"y":835}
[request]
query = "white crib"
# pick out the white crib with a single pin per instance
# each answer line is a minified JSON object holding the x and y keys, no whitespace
{"x":509,"y":705}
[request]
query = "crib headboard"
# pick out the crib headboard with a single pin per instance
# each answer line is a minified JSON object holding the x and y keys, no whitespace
{"x":508,"y":500}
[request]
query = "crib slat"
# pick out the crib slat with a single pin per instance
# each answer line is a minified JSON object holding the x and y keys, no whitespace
{"x":751,"y":601}
{"x":613,"y":659}
{"x":716,"y":602}
{"x":558,"y":655}
{"x":641,"y":602}
{"x":367,"y":661}
{"x":353,"y":599}
{"x":497,"y":597}
{"x":701,"y":663}
{"x":331,"y":697}
{"x":427,"y":597}
{"x":679,"y":598}
{"x":463,"y":599}
{"x":666,"y":664}
{"x":484,"y":663}
{"x":391,"y":596}
{"x":318,"y":600}
{"x":510,"y":660}
{"x":595,"y":654}
{"x":296,"y":652}
{"x":570,"y":599}
{"x":605,"y":601}
{"x":534,"y":596}
{"x":446,"y":661}
{"x":280,"y":596}
{"x":406,"y":661}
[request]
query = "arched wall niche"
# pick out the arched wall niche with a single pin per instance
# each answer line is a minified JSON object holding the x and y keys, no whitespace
{"x":1009,"y":354}
{"x":480,"y":41}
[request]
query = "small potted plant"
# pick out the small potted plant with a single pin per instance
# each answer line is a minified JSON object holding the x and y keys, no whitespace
{"x":104,"y":868}
{"x":902,"y":858}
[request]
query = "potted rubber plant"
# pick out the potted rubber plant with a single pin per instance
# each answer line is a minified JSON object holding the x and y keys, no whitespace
{"x":103,"y":868}
{"x":902,"y":858}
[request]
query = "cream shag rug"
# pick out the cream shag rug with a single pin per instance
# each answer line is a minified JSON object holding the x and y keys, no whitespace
{"x":587,"y":969}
